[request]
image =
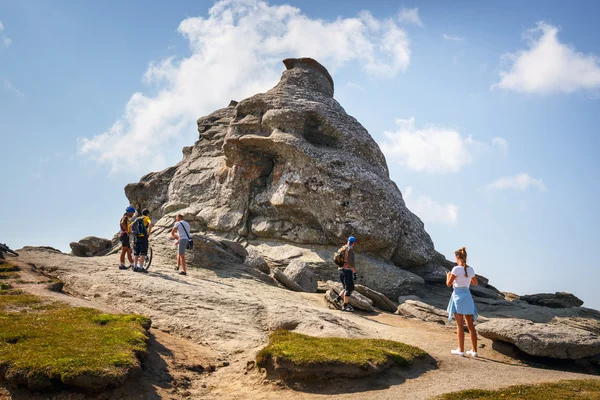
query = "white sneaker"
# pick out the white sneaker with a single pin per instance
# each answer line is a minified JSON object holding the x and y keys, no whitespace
{"x":457,"y":352}
{"x":471,"y":353}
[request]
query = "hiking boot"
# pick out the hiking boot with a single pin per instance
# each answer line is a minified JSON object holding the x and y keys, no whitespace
{"x":122,"y":266}
{"x":183,"y":273}
{"x":177,"y":268}
{"x":347,"y":307}
{"x":137,"y":269}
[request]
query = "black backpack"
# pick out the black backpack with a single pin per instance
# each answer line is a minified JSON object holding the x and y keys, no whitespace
{"x":138,"y":228}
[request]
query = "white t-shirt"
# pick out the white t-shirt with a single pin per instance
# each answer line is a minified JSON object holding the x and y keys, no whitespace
{"x":181,"y":232}
{"x":461,"y":280}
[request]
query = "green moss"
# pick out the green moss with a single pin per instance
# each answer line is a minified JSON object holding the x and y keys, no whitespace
{"x":5,"y":286}
{"x":15,"y":300}
{"x":63,"y":342}
{"x":309,"y":350}
{"x":562,"y":390}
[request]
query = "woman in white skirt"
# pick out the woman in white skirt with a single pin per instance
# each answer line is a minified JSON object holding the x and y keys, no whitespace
{"x":461,"y":304}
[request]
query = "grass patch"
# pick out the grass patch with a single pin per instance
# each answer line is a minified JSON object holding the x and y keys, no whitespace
{"x":563,"y":390}
{"x":5,"y":286}
{"x":304,"y":351}
{"x":81,"y":347}
{"x":16,"y":300}
{"x":8,"y":275}
{"x":5,"y":267}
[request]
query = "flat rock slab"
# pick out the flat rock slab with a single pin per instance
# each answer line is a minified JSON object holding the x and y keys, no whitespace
{"x":553,"y":300}
{"x":379,"y":299}
{"x":543,"y":340}
{"x":356,"y":300}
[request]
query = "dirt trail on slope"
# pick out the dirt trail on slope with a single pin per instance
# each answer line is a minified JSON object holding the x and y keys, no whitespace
{"x":228,"y":314}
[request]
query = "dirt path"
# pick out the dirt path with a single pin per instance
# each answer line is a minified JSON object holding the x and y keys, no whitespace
{"x":229,"y":313}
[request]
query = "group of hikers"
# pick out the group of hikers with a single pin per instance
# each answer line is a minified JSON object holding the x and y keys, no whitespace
{"x":461,"y":305}
{"x":140,"y":228}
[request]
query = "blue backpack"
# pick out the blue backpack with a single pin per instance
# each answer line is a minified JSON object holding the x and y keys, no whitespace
{"x":138,"y":228}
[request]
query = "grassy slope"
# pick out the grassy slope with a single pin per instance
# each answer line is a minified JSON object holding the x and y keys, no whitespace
{"x":563,"y":390}
{"x":305,"y":350}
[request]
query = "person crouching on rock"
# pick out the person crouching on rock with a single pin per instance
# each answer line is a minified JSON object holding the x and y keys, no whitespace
{"x":124,"y":231}
{"x":348,"y":273}
{"x":142,"y":227}
{"x":461,"y":304}
{"x":181,"y":232}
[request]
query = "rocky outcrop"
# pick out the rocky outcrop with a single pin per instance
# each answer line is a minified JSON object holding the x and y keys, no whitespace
{"x":285,"y":281}
{"x":289,"y":165}
{"x":300,"y":273}
{"x":90,"y":246}
{"x":553,"y":300}
{"x":544,"y":340}
{"x":424,"y":312}
{"x":379,"y":299}
{"x":356,"y":300}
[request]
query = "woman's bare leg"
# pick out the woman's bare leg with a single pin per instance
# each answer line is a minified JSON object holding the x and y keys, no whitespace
{"x":472,"y":332}
{"x":460,"y":333}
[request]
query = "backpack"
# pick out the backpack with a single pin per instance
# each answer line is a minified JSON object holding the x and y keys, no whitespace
{"x":138,"y":228}
{"x":338,"y":256}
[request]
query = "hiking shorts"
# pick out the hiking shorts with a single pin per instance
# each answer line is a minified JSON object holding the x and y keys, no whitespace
{"x":140,"y":247}
{"x":347,"y":278}
{"x":182,"y":246}
{"x":124,"y":239}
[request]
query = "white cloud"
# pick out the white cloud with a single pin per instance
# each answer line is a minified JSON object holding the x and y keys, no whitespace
{"x":4,"y":41}
{"x":501,"y":143}
{"x":356,"y":86}
{"x":453,"y":38}
{"x":13,"y":89}
{"x":236,"y":51}
{"x":429,"y":149}
{"x":429,"y":210}
{"x":410,"y":15}
{"x":549,"y":66}
{"x":44,"y":160}
{"x":520,"y":182}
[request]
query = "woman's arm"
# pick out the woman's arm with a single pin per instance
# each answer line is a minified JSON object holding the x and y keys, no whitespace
{"x":474,"y":281}
{"x":449,"y":279}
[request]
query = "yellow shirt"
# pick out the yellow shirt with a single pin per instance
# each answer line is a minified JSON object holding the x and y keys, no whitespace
{"x":127,"y":225}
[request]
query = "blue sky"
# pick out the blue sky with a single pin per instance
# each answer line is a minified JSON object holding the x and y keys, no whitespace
{"x":487,"y":112}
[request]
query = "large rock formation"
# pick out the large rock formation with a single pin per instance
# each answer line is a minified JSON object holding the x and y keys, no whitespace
{"x":292,"y":166}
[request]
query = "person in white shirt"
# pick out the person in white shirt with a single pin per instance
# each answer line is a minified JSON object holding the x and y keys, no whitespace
{"x":181,"y":232}
{"x":461,"y":304}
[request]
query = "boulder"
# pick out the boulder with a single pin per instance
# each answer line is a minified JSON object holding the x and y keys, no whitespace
{"x":486,"y":292}
{"x":256,"y":260}
{"x":300,"y":273}
{"x":379,"y":300}
{"x":543,"y":340}
{"x":356,"y":300}
{"x":402,"y":299}
{"x":289,"y":165}
{"x":553,"y":300}
{"x":482,"y":280}
{"x":80,"y":250}
{"x":95,"y":244}
{"x":285,"y":281}
{"x":422,"y":311}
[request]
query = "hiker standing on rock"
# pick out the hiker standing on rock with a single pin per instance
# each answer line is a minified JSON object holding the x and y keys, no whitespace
{"x":124,"y":231}
{"x":461,"y":304}
{"x":181,"y":232}
{"x":141,"y":229}
{"x":347,"y":272}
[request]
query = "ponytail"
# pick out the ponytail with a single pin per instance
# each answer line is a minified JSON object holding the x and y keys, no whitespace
{"x":461,"y":255}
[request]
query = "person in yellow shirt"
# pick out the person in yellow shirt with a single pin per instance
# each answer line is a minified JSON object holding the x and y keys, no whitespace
{"x":124,"y":231}
{"x":140,"y":248}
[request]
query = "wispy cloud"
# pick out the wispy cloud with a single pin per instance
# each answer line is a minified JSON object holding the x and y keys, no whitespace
{"x":259,"y":34}
{"x":429,"y":210}
{"x":4,"y":40}
{"x":500,"y":143}
{"x":549,"y":66}
{"x":521,"y":182}
{"x":356,"y":86}
{"x":44,"y":160}
{"x":430,"y":149}
{"x":453,"y":38}
{"x":13,"y":89}
{"x":410,"y":16}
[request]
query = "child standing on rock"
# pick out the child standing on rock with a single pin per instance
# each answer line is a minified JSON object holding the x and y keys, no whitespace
{"x":461,"y":304}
